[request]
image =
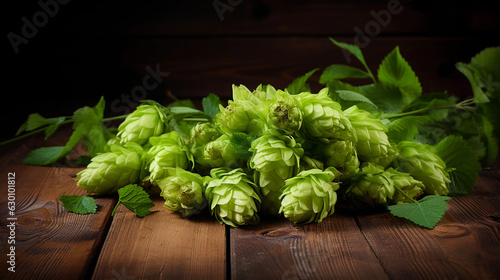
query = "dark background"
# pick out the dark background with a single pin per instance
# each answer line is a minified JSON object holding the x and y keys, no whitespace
{"x":90,"y":49}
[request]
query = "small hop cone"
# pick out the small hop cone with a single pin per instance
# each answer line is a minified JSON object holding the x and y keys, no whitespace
{"x":167,"y":151}
{"x":275,"y":158}
{"x":232,"y":118}
{"x":372,"y":186}
{"x":232,"y":197}
{"x":200,"y":135}
{"x":309,"y":197}
{"x":404,"y":182}
{"x":342,"y":155}
{"x":323,"y":117}
{"x":109,"y":171}
{"x":183,"y":192}
{"x":144,"y":122}
{"x":284,"y":113}
{"x":422,"y":163}
{"x":370,"y":136}
{"x":217,"y":153}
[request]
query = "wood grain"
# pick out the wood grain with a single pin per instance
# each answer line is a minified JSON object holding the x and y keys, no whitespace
{"x":51,"y":243}
{"x":464,"y":244}
{"x":162,"y":245}
{"x":276,"y":249}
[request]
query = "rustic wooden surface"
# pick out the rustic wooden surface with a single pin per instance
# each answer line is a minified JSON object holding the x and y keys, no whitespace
{"x":101,"y":48}
{"x":54,"y":244}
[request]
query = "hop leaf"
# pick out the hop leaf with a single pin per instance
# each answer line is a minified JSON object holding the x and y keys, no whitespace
{"x":135,"y":199}
{"x":426,"y":212}
{"x":79,"y":204}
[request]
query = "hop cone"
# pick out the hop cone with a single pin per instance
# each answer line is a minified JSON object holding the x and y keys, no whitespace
{"x":232,"y":118}
{"x":372,"y":186}
{"x":275,"y":158}
{"x":107,"y":172}
{"x":421,"y":162}
{"x":309,"y":197}
{"x":257,"y":97}
{"x":144,"y":122}
{"x":218,"y":153}
{"x":372,"y":143}
{"x":406,"y":183}
{"x":342,"y":155}
{"x":323,"y":117}
{"x":284,"y":114}
{"x":232,"y":197}
{"x":183,"y":192}
{"x":167,"y":151}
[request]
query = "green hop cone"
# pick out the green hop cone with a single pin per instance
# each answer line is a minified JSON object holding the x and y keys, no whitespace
{"x":372,"y":143}
{"x":275,"y":158}
{"x":257,"y":97}
{"x":183,"y":192}
{"x":342,"y":155}
{"x":200,"y":135}
{"x":218,"y":153}
{"x":309,"y":197}
{"x":144,"y":122}
{"x":422,"y":162}
{"x":406,"y":186}
{"x":167,"y":151}
{"x":232,"y":197}
{"x":284,"y":113}
{"x":372,"y":186}
{"x":323,"y":117}
{"x":109,"y":171}
{"x":232,"y":118}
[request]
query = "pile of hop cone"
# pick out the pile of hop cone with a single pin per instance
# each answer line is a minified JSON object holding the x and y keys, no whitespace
{"x":267,"y":153}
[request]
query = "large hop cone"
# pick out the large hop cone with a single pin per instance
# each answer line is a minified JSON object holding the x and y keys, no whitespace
{"x":275,"y":158}
{"x":241,"y":116}
{"x":323,"y":117}
{"x":284,"y":113}
{"x":370,"y":136}
{"x":257,"y":97}
{"x":144,"y":122}
{"x":309,"y":197}
{"x":217,"y":153}
{"x":422,"y":162}
{"x":183,"y":192}
{"x":167,"y":151}
{"x":107,"y":172}
{"x":407,"y":187}
{"x":372,"y":186}
{"x":342,"y":155}
{"x":232,"y":197}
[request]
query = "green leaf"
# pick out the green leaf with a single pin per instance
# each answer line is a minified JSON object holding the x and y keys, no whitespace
{"x":354,"y":96}
{"x":211,"y":104}
{"x":79,"y":204}
{"x":36,"y":120}
{"x":300,"y":84}
{"x":395,"y":70}
{"x":339,"y":71}
{"x":356,"y":51}
{"x":462,"y":160}
{"x":426,"y":212}
{"x":241,"y":143}
{"x":472,"y":75}
{"x":406,"y":128}
{"x":387,"y":97}
{"x":135,"y":199}
{"x":44,"y":155}
{"x":491,"y":140}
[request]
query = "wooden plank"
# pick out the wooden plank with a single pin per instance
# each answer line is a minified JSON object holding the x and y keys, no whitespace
{"x":162,"y":245}
{"x":50,"y":242}
{"x":276,"y":249}
{"x":464,"y":244}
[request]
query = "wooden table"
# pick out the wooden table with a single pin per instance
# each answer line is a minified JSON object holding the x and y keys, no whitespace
{"x":92,"y":49}
{"x":51,"y":243}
